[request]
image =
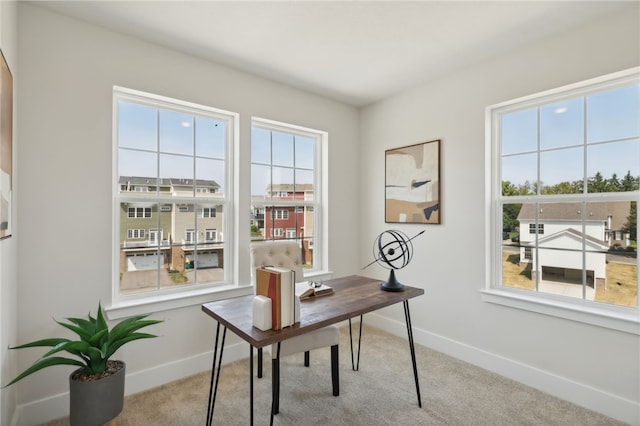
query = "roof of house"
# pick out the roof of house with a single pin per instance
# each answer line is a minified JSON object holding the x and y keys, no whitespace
{"x":600,"y":211}
{"x":591,"y":242}
{"x":142,"y":180}
{"x":289,"y":187}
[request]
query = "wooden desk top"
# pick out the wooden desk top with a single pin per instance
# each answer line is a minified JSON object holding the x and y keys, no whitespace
{"x":353,"y":296}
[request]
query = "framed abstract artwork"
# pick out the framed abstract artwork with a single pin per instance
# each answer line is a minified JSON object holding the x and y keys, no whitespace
{"x":6,"y":148}
{"x":412,"y":184}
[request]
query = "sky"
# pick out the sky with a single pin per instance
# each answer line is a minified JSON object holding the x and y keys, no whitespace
{"x":604,"y":127}
{"x":143,"y":130}
{"x":276,"y":157}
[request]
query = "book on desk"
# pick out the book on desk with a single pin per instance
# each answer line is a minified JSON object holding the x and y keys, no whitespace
{"x":308,"y":289}
{"x":278,"y":284}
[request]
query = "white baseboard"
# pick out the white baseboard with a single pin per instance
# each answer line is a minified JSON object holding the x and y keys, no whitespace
{"x":614,"y":406}
{"x":57,"y":406}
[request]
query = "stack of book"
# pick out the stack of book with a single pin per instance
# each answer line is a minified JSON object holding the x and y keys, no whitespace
{"x":278,"y":284}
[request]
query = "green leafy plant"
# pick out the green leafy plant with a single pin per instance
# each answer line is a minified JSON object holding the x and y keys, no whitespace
{"x":95,"y":346}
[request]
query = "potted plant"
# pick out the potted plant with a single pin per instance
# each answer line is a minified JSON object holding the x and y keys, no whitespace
{"x":96,"y":389}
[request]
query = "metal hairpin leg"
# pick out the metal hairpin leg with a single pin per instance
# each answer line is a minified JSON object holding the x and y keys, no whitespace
{"x":275,"y":384}
{"x":215,"y":375}
{"x":355,"y":366}
{"x":407,"y":317}
{"x":250,"y":384}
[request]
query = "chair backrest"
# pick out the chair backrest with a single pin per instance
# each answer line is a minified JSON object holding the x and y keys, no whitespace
{"x":285,"y":254}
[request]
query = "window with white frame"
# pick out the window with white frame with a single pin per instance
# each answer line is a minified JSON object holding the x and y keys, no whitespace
{"x":286,"y":177}
{"x":139,"y":212}
{"x":208,"y":212}
{"x":565,"y":173}
{"x":181,"y":153}
{"x":280,"y":214}
{"x":135,"y":234}
{"x":210,"y":235}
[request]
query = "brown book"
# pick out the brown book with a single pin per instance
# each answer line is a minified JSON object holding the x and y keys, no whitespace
{"x":306,"y":290}
{"x":278,"y":285}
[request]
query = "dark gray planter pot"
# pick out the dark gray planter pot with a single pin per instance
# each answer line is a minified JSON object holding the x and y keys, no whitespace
{"x":95,"y":403}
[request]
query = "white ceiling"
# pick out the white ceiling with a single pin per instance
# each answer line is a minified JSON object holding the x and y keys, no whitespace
{"x":357,"y":52}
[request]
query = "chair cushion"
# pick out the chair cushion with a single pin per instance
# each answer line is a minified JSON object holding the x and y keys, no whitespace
{"x":327,"y":336}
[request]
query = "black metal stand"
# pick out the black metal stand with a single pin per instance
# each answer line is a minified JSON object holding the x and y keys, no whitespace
{"x":355,"y":366}
{"x":407,"y":318}
{"x":392,"y":284}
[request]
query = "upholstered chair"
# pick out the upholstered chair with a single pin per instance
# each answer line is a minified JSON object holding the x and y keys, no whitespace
{"x":287,"y":254}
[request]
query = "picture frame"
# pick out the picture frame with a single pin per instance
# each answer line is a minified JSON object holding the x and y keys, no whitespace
{"x":412,"y":184}
{"x":6,"y":147}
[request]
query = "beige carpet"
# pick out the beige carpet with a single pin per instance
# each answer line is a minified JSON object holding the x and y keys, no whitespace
{"x":381,"y":393}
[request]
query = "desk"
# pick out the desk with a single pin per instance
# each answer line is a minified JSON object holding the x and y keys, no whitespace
{"x":354,"y":296}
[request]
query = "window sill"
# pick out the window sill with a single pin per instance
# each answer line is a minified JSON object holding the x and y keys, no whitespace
{"x":616,"y":319}
{"x":158,"y":303}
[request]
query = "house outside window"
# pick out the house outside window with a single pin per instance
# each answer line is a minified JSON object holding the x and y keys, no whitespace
{"x":565,"y":174}
{"x":286,"y":184}
{"x":180,"y":152}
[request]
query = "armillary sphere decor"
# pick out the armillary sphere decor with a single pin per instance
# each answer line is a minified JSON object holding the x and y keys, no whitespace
{"x":392,"y":250}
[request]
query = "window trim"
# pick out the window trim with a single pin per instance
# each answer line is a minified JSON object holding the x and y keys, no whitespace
{"x":126,"y":305}
{"x":603,"y":315}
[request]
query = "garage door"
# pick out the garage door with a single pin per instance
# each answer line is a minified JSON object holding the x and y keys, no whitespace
{"x":144,"y":262}
{"x":207,"y":260}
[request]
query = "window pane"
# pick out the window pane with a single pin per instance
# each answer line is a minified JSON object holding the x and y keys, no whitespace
{"x":614,"y":114}
{"x":521,"y":172}
{"x":621,"y":286}
{"x":613,"y":167}
{"x":282,"y":149}
{"x":137,"y":163}
{"x":305,"y":157}
{"x":281,"y":176}
{"x":211,"y":174}
{"x":208,"y":247}
{"x":304,"y":185}
{"x":260,"y":145}
{"x":511,"y":224}
{"x":176,"y":132}
{"x":185,"y":240}
{"x":519,"y":131}
{"x":210,"y":138}
{"x":562,"y":273}
{"x":177,"y":167}
{"x":260,"y":180}
{"x":137,"y":126}
{"x":561,"y":166}
{"x":562,"y":124}
{"x":144,"y":249}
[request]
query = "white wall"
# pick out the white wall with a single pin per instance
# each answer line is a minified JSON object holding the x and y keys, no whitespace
{"x":592,"y":366}
{"x":9,"y":246}
{"x":69,"y":68}
{"x":64,"y":119}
